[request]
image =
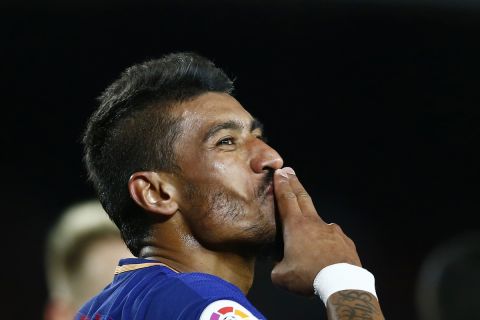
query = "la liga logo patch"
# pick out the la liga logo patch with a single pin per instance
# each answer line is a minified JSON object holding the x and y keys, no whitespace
{"x":226,"y":310}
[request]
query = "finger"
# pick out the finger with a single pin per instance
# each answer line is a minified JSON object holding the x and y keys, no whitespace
{"x":304,"y":200}
{"x":285,"y":197}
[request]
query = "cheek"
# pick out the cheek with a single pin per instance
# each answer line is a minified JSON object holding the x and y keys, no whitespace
{"x":234,"y":176}
{"x":226,"y":171}
{"x":219,"y":167}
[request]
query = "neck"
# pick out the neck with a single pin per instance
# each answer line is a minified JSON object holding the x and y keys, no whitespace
{"x":186,"y":254}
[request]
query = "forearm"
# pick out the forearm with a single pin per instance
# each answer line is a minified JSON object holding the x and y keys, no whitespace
{"x":353,"y":305}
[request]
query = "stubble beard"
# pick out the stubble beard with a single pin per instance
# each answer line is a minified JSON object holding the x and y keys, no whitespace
{"x":226,"y":208}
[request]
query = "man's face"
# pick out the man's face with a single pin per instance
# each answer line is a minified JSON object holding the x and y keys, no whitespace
{"x":227,"y":171}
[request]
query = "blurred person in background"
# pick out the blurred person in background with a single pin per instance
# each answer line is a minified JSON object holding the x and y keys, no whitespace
{"x":82,"y":250}
{"x":449,"y":280}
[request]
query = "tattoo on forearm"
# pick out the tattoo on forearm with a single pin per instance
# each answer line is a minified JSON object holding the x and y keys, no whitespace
{"x":354,"y":305}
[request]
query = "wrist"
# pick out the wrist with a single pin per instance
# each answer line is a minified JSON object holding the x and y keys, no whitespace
{"x":342,"y":276}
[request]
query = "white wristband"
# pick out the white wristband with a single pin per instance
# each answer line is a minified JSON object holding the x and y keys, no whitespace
{"x":342,"y":276}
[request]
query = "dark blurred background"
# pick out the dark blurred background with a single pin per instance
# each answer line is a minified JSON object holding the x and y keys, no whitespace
{"x":374,"y":103}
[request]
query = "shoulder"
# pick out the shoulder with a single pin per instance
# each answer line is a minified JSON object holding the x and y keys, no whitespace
{"x":157,"y":292}
{"x":200,"y":296}
{"x":206,"y":285}
{"x":194,"y":287}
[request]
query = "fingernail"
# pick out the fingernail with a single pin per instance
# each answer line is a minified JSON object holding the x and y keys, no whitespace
{"x":282,"y":173}
{"x":288,"y":170}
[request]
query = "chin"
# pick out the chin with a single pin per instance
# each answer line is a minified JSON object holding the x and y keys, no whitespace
{"x":264,"y":241}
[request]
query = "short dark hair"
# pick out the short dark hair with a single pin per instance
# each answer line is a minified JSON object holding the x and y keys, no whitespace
{"x":134,"y":130}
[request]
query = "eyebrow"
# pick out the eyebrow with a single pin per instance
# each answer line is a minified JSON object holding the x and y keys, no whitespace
{"x":232,"y":125}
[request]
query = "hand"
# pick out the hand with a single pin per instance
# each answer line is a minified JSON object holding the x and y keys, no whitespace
{"x":310,"y":244}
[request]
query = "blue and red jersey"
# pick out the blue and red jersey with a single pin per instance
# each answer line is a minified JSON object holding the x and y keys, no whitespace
{"x":145,"y":290}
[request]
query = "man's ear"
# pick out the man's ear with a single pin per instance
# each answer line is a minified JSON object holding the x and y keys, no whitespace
{"x":154,"y":191}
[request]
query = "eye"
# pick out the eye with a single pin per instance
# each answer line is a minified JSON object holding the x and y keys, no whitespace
{"x":226,"y":142}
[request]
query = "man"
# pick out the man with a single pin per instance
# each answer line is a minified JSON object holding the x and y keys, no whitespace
{"x":183,"y":170}
{"x":82,"y":250}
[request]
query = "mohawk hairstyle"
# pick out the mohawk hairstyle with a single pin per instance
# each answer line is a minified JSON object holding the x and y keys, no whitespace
{"x":133,"y":130}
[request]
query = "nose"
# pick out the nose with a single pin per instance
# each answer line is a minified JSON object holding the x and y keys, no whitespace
{"x":265,"y":158}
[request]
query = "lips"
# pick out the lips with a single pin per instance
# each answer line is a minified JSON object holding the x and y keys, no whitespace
{"x":265,"y":190}
{"x":269,"y":190}
{"x":266,"y":186}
